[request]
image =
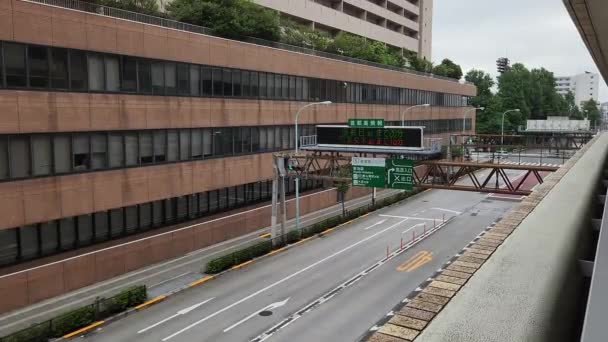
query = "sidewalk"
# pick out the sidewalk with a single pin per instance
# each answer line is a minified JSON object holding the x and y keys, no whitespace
{"x":160,"y":278}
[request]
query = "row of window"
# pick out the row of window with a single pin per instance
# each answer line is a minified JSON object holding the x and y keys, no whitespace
{"x":37,"y":155}
{"x":42,"y":239}
{"x":42,"y":67}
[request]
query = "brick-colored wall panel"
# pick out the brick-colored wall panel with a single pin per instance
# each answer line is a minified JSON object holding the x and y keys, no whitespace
{"x":14,"y":291}
{"x":159,"y":183}
{"x":32,"y":27}
{"x":76,"y":194}
{"x":135,"y":186}
{"x":6,"y":22}
{"x":110,"y":263}
{"x":42,"y":199}
{"x":155,"y":45}
{"x":107,"y":189}
{"x":36,"y":111}
{"x":133,"y":111}
{"x":45,"y":282}
{"x":79,"y":272}
{"x":11,"y":204}
{"x":71,"y":112}
{"x":69,"y":33}
{"x":105,"y":111}
{"x":9,"y":107}
{"x":183,"y":241}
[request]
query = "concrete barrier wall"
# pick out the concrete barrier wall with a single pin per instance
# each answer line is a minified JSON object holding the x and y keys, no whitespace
{"x":32,"y":285}
{"x":531,"y":289}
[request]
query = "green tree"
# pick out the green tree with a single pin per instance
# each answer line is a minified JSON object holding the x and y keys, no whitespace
{"x":484,"y":83}
{"x":416,"y":63}
{"x":296,"y":34}
{"x":449,"y":69}
{"x":591,"y":112}
{"x":343,"y":186}
{"x":571,"y":108}
{"x":542,"y":97}
{"x":229,"y":18}
{"x":513,"y":89}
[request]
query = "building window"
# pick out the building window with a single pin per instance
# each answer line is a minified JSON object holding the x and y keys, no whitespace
{"x":67,"y":233}
{"x":160,"y":146}
{"x":144,"y":76}
{"x":14,"y":63}
{"x":116,"y":148}
{"x":183,"y":81}
{"x":42,"y":152}
{"x":158,"y":79}
{"x":207,"y":82}
{"x":172,"y":145}
{"x":9,"y":247}
{"x":28,"y":240}
{"x":96,"y":72}
{"x":3,"y":158}
{"x":218,"y":85}
{"x":146,"y":151}
{"x":99,"y":151}
{"x":20,"y":157}
{"x":102,"y":226}
{"x":129,"y":74}
{"x":195,"y":80}
{"x":131,"y":149}
{"x":78,"y":70}
{"x":59,"y":68}
{"x":81,"y":152}
{"x":227,"y":82}
{"x":49,"y":237}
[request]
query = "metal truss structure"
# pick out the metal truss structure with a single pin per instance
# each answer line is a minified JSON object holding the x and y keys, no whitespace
{"x":544,"y":141}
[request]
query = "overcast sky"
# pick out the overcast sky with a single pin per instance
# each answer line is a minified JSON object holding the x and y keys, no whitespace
{"x":474,"y":33}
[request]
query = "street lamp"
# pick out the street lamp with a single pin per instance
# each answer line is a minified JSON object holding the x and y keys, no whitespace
{"x":464,"y":118}
{"x":297,"y":151}
{"x":412,"y":107}
{"x":502,"y":129}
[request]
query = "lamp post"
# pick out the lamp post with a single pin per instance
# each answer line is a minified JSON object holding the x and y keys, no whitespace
{"x":412,"y":107}
{"x":464,"y":118}
{"x":502,"y":129}
{"x":297,"y":151}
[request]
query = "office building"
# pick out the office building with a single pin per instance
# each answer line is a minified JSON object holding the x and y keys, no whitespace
{"x":405,"y":24}
{"x":584,"y":87}
{"x":116,"y":131}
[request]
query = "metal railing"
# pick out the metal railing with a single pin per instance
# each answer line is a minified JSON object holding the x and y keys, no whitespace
{"x":433,"y":144}
{"x":308,"y":140}
{"x":177,"y":25}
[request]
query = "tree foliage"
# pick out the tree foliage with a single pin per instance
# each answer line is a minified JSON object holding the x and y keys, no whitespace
{"x":228,"y":18}
{"x":448,"y":68}
{"x":591,"y":111}
{"x":484,"y":83}
{"x":293,"y":33}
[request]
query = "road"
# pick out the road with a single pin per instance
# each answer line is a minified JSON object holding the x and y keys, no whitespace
{"x":244,"y":304}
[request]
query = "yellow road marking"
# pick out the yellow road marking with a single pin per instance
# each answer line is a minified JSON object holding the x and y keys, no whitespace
{"x":241,"y":265}
{"x":416,"y":261}
{"x":265,"y":235}
{"x":200,"y":281}
{"x":277,"y":250}
{"x":151,"y":301}
{"x":79,"y":331}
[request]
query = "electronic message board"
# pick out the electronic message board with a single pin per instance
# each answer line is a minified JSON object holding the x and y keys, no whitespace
{"x":387,"y":137}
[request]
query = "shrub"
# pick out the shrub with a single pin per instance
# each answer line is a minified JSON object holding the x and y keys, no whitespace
{"x":73,"y":320}
{"x":220,"y":264}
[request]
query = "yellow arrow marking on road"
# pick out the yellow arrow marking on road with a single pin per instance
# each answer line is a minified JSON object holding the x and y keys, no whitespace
{"x":416,"y":261}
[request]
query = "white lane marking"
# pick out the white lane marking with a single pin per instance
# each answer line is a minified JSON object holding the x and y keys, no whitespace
{"x":412,"y":227}
{"x":448,"y":210}
{"x":179,"y":313}
{"x":281,"y":281}
{"x":410,"y":217}
{"x":267,"y":307}
{"x":375,"y":224}
{"x":170,"y":279}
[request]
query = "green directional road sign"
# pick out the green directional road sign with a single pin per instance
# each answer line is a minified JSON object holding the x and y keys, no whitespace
{"x":400,"y":174}
{"x":369,"y":172}
{"x":366,"y":123}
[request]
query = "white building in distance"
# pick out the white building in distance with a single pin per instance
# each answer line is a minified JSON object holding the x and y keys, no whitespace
{"x":584,"y":87}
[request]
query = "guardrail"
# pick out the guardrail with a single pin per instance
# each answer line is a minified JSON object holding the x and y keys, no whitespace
{"x":177,"y":25}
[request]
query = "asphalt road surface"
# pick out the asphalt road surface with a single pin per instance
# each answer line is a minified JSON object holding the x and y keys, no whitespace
{"x":332,"y":288}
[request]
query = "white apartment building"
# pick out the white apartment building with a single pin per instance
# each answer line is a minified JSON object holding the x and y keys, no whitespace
{"x":604,"y":111}
{"x":584,"y":86}
{"x":400,"y":23}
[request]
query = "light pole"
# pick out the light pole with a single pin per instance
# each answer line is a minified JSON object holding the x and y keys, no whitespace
{"x":408,"y":108}
{"x":464,"y":118}
{"x":297,"y":151}
{"x":502,"y":129}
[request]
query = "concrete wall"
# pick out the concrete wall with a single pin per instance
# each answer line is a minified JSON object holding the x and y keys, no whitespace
{"x":531,"y":289}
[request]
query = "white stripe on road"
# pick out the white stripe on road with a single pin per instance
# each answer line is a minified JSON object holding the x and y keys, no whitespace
{"x":373,"y":225}
{"x":412,"y":227}
{"x":170,"y":279}
{"x":280,"y":281}
{"x":267,"y":307}
{"x":179,"y":313}
{"x":410,"y":217}
{"x":448,"y":210}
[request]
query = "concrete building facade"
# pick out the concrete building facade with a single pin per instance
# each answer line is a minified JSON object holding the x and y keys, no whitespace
{"x":405,"y":24}
{"x":123,"y":143}
{"x":584,"y":86}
